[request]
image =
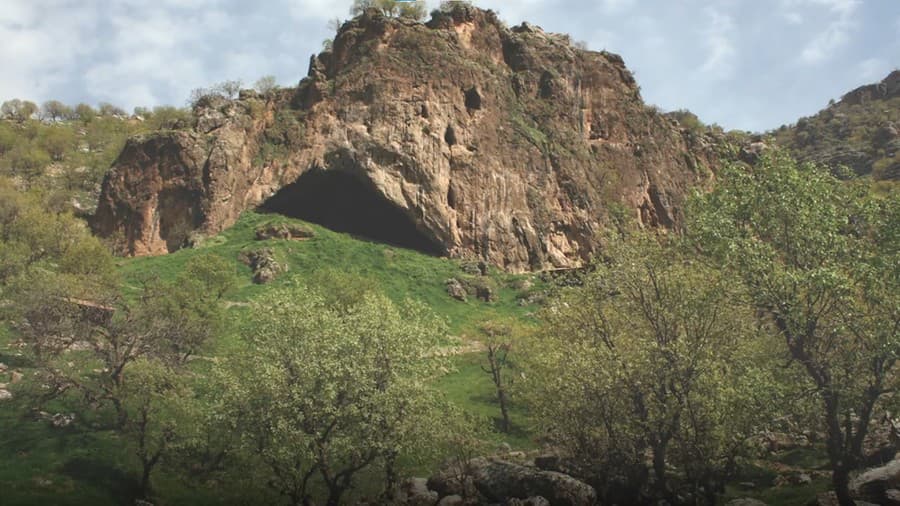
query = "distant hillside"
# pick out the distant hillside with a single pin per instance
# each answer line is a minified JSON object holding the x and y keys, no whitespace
{"x":66,"y":154}
{"x":861,"y":132}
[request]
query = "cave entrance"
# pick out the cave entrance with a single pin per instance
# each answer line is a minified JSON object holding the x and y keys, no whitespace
{"x":342,"y":202}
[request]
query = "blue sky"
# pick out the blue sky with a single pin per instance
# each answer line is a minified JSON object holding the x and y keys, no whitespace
{"x":748,"y":64}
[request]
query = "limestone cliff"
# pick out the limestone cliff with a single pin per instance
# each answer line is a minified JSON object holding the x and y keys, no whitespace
{"x":460,"y":136}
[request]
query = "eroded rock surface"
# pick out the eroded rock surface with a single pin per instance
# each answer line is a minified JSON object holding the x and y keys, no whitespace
{"x":509,"y":146}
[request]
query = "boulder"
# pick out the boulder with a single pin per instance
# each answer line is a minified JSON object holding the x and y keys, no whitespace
{"x":16,"y":377}
{"x":416,"y":493}
{"x":5,"y":395}
{"x":284,"y":231}
{"x":873,"y":484}
{"x":263,"y":263}
{"x":501,"y":481}
{"x":452,"y":500}
{"x":457,"y":290}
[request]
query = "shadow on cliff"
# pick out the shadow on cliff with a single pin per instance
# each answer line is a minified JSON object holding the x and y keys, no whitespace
{"x":342,"y":202}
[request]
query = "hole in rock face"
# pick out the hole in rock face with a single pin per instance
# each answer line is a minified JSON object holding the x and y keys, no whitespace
{"x":473,"y":99}
{"x":344,"y":203}
{"x":450,"y":136}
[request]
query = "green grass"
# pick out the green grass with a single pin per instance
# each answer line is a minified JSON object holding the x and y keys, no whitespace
{"x":469,"y":386}
{"x":399,"y":273}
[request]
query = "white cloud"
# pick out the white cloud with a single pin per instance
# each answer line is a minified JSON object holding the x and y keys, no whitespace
{"x":719,"y":35}
{"x":615,"y":6}
{"x":835,"y":35}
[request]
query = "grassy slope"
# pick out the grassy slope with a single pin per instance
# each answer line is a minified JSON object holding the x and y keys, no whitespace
{"x":42,"y":465}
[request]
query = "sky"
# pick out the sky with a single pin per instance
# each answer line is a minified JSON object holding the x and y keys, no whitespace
{"x":743,"y":64}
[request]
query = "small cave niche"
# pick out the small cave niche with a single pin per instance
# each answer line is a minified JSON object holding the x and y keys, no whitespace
{"x":343,"y":202}
{"x":450,"y":136}
{"x":473,"y":99}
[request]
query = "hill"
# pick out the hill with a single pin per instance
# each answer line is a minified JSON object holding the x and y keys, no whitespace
{"x":861,"y":132}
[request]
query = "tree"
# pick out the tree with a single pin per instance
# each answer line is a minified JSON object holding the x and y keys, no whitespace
{"x":120,"y":361}
{"x":18,"y":110}
{"x":334,"y":394}
{"x":110,"y":110}
{"x":57,"y":141}
{"x":391,"y":8}
{"x":498,"y":343}
{"x":84,"y":113}
{"x":159,"y":400}
{"x":651,"y":356}
{"x":266,"y":84}
{"x":54,"y":110}
{"x":819,"y":258}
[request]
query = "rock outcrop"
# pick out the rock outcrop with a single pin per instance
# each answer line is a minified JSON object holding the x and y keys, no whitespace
{"x":462,"y":137}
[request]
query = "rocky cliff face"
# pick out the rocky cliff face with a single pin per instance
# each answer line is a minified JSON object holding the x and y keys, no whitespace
{"x":460,"y":137}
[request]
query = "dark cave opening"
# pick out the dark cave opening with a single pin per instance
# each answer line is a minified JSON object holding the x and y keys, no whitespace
{"x":345,"y":203}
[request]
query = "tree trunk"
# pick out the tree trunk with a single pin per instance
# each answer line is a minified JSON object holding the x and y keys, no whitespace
{"x":838,"y":455}
{"x":659,"y":469}
{"x":504,"y":411}
{"x":145,"y":480}
{"x":334,"y":496}
{"x":840,"y":478}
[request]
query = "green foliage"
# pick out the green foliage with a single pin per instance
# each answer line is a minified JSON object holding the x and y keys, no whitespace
{"x":18,"y":110}
{"x":266,"y":84}
{"x":651,"y":356}
{"x":392,"y":8}
{"x":820,"y":260}
{"x":369,"y":367}
{"x":69,"y":151}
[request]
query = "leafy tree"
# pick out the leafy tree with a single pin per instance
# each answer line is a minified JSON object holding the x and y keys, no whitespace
{"x":8,"y":138}
{"x":54,"y":110}
{"x":120,"y":360}
{"x":18,"y":110}
{"x":85,"y":113}
{"x":821,"y":261}
{"x":651,"y":356}
{"x":57,"y":141}
{"x":169,"y":118}
{"x":334,"y":394}
{"x":159,"y":400}
{"x":266,"y":84}
{"x":392,"y":8}
{"x":27,"y":160}
{"x":107,"y":109}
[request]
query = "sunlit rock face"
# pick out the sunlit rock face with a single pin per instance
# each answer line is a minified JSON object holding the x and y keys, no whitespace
{"x":458,"y":137}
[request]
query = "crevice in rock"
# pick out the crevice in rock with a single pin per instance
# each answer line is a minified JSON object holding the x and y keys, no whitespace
{"x":473,"y":100}
{"x":344,"y":202}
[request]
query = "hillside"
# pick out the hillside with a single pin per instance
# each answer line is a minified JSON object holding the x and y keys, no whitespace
{"x":860,"y":131}
{"x":464,"y":137}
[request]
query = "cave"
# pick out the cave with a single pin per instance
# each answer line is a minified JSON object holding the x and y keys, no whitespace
{"x":343,"y":202}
